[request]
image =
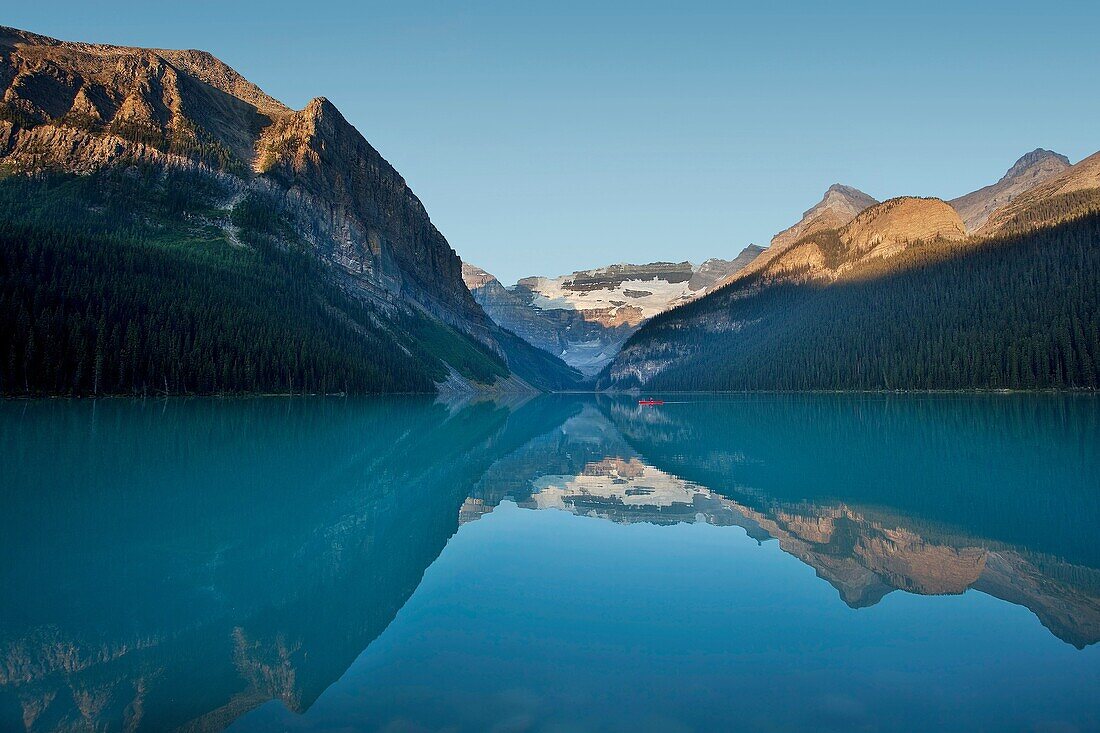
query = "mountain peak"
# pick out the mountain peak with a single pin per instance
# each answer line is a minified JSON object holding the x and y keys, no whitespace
{"x":841,"y":195}
{"x":79,"y":107}
{"x":10,"y":36}
{"x":475,"y":277}
{"x":1036,"y":156}
{"x":838,"y":207}
{"x":714,"y":270}
{"x":102,"y":66}
{"x":844,"y":190}
{"x":83,"y":108}
{"x":319,"y":105}
{"x":1029,"y":171}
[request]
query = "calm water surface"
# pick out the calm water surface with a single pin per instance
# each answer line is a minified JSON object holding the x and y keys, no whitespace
{"x":841,"y":563}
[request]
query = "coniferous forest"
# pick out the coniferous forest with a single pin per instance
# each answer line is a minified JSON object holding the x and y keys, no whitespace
{"x":111,"y":284}
{"x":127,"y":282}
{"x":1018,"y":312}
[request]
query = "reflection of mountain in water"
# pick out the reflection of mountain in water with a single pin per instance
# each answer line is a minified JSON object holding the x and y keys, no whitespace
{"x":173,"y":571}
{"x":174,"y":565}
{"x":865,"y":547}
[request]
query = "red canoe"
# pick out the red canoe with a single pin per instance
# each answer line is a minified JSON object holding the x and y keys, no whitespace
{"x":651,"y":401}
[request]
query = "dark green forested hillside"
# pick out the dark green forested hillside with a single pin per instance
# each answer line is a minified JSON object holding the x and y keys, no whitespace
{"x":1020,"y":312}
{"x":125,"y":283}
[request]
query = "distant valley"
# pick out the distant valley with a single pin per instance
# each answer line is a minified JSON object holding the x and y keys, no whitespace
{"x":585,"y":317}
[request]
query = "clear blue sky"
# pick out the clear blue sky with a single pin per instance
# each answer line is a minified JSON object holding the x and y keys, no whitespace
{"x":579,"y":134}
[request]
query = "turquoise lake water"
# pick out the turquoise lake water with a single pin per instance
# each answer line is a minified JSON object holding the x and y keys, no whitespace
{"x":562,"y":563}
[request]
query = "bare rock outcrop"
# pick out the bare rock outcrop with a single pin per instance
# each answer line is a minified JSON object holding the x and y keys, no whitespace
{"x":886,"y":228}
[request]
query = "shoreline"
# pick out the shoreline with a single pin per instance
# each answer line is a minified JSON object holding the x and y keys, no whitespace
{"x":596,"y":393}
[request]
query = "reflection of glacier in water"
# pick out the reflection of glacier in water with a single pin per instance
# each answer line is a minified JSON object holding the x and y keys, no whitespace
{"x":177,"y":565}
{"x":623,"y":490}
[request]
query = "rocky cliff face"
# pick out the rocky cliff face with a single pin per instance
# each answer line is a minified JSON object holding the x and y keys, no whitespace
{"x":78,"y":107}
{"x":711,"y":272}
{"x":1029,"y":171}
{"x":112,"y":103}
{"x":586,"y":316}
{"x":887,"y":228}
{"x":377,"y":228}
{"x":582,"y":343}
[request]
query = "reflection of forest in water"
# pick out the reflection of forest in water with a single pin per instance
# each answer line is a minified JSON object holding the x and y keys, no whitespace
{"x":248,"y":550}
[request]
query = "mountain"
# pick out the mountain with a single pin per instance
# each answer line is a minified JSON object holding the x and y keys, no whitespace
{"x":837,"y":207}
{"x":586,"y":316}
{"x":890,"y":227}
{"x":899,"y":298}
{"x":1070,"y":194}
{"x":713,"y":271}
{"x":584,"y":344}
{"x":622,"y":294}
{"x":1029,"y":171}
{"x":304,"y":260}
{"x":880,"y":231}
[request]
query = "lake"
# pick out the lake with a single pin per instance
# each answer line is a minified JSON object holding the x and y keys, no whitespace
{"x":560,"y":563}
